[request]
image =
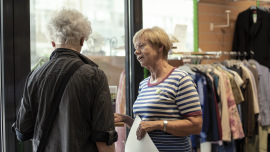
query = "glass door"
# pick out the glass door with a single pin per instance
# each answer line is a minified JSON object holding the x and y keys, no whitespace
{"x":105,"y":46}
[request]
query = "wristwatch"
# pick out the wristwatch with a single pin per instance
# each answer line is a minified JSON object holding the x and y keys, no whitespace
{"x":165,"y":122}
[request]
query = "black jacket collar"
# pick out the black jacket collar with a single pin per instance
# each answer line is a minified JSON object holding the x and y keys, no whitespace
{"x":68,"y":52}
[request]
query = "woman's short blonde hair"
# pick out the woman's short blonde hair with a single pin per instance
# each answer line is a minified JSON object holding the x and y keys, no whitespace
{"x":68,"y":26}
{"x":156,"y":36}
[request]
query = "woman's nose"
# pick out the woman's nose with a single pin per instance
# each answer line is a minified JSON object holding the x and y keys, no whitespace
{"x":137,"y":51}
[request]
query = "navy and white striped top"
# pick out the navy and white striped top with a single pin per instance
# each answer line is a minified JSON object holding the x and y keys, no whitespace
{"x":173,"y":98}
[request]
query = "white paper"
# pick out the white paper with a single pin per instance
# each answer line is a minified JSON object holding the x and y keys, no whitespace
{"x":144,"y":145}
{"x":180,"y":32}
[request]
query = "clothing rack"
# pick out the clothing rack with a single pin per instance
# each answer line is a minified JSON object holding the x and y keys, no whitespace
{"x":192,"y":57}
{"x":217,"y":53}
{"x":180,"y":58}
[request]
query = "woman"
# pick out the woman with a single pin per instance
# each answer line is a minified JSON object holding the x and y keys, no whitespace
{"x":84,"y":121}
{"x":168,"y":102}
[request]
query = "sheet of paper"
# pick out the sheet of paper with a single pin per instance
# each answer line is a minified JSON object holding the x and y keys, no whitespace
{"x":144,"y":145}
{"x":180,"y":32}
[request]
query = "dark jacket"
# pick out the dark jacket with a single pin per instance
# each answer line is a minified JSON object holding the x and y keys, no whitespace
{"x":249,"y":36}
{"x":85,"y":111}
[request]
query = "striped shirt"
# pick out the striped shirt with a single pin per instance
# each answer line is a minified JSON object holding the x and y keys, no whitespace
{"x":173,"y":98}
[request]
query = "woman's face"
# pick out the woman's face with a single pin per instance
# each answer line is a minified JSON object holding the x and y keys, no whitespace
{"x":146,"y":54}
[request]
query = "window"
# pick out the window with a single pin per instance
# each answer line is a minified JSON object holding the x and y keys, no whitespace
{"x":168,"y":14}
{"x":106,"y":43}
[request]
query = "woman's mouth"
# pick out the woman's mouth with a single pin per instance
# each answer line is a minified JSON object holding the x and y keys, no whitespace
{"x":139,"y":58}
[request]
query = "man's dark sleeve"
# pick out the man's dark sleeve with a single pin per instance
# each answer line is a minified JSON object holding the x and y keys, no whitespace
{"x":24,"y":125}
{"x":102,"y":112}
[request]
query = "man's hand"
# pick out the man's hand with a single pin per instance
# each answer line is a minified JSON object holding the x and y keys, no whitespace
{"x":118,"y":117}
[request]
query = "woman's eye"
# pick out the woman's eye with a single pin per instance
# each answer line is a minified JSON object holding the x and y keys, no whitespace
{"x":141,"y":46}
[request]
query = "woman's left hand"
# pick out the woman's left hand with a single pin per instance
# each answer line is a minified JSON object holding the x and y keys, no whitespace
{"x":147,"y":126}
{"x":140,"y":132}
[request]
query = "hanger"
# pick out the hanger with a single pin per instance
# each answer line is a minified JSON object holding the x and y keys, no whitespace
{"x":253,"y":7}
{"x":254,"y":13}
{"x":252,"y":54}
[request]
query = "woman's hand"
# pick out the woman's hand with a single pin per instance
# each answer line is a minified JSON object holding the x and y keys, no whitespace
{"x":140,"y":132}
{"x":147,"y":126}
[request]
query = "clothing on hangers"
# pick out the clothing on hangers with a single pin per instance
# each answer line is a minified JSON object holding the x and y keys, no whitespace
{"x":239,"y":77}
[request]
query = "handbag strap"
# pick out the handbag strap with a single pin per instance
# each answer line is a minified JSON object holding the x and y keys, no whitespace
{"x":55,"y":105}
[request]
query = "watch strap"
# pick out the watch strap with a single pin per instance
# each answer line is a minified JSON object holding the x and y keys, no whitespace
{"x":165,"y":122}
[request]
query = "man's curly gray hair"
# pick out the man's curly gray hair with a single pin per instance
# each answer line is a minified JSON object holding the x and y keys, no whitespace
{"x":68,"y":26}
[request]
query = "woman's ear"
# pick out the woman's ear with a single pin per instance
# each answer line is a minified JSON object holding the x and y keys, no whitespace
{"x":160,"y":49}
{"x":82,"y":41}
{"x":53,"y":44}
